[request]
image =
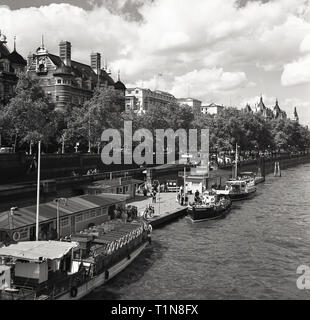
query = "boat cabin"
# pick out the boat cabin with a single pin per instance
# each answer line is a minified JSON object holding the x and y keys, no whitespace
{"x":30,"y":266}
{"x":125,"y":186}
{"x":236,"y":186}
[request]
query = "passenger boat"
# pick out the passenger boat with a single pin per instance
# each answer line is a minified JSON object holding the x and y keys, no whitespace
{"x":69,"y":270}
{"x":210,"y":207}
{"x":251,"y":176}
{"x":238,"y":189}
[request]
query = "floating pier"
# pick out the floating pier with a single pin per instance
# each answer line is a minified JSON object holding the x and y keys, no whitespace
{"x":167,"y":209}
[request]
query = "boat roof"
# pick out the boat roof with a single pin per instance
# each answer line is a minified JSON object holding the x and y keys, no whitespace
{"x":246,"y":173}
{"x":38,"y":251}
{"x":236,"y":181}
{"x":27,"y":216}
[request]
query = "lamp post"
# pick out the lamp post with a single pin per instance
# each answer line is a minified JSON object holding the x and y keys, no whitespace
{"x":89,"y":148}
{"x":10,"y":217}
{"x":0,"y":137}
{"x":58,"y":201}
{"x":76,"y":147}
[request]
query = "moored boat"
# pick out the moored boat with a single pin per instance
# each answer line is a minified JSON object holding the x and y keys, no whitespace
{"x":211,"y":206}
{"x":251,"y":176}
{"x":69,"y":270}
{"x":238,"y":189}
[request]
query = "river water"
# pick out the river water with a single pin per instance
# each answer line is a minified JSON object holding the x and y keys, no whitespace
{"x":251,"y":254}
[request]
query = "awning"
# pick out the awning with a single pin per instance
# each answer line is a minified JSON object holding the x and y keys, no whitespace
{"x":38,"y":250}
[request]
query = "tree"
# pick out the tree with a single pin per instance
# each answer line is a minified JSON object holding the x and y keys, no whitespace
{"x":29,"y":116}
{"x":102,"y":111}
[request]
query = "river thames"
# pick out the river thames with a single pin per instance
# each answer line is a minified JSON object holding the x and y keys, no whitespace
{"x":251,"y":254}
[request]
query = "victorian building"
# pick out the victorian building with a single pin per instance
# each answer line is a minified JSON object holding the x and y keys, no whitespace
{"x":66,"y":81}
{"x":10,"y":64}
{"x":213,"y":109}
{"x":274,"y":112}
{"x":140,"y":100}
{"x":195,"y":104}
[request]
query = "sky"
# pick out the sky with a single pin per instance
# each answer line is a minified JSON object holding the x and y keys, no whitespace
{"x":223,"y":51}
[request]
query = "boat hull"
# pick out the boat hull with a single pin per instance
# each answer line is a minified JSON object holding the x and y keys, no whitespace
{"x":241,"y":196}
{"x":100,"y":279}
{"x":199,"y":214}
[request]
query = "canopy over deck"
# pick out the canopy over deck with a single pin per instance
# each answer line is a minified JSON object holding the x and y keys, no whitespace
{"x":38,"y":251}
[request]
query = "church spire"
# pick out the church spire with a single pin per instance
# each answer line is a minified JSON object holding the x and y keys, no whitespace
{"x":42,"y":42}
{"x":119,"y":75}
{"x":296,"y":118}
{"x":14,"y":43}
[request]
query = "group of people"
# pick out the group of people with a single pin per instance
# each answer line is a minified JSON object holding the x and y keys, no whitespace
{"x":90,"y":172}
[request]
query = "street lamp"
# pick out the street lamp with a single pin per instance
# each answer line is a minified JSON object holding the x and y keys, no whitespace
{"x":89,"y":147}
{"x":10,"y":217}
{"x":76,"y":147}
{"x":58,"y":201}
{"x":0,"y":137}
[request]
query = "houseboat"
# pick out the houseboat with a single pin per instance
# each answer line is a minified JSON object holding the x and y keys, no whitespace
{"x":69,"y":270}
{"x":209,"y":207}
{"x":59,"y":218}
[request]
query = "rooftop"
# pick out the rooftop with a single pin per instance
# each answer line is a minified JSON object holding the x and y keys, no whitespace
{"x":48,"y":211}
{"x":38,"y":250}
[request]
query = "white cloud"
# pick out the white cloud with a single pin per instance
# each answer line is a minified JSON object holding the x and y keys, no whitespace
{"x":211,"y":45}
{"x":203,"y":82}
{"x":296,"y":72}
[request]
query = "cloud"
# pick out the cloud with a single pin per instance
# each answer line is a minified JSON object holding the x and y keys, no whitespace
{"x":296,"y":72}
{"x":219,"y":48}
{"x":203,"y":82}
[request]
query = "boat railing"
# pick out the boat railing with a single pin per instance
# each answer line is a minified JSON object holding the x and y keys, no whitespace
{"x":22,"y":293}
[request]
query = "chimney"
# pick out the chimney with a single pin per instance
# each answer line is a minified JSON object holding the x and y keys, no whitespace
{"x":65,"y":52}
{"x":95,"y":60}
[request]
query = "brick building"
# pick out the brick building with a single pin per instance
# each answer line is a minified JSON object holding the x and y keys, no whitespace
{"x":10,"y":64}
{"x":66,"y":81}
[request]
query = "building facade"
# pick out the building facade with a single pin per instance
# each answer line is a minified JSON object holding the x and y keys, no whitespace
{"x":11,"y":63}
{"x":195,"y":104}
{"x":212,"y":109}
{"x":140,"y":100}
{"x":274,"y":112}
{"x":66,"y":81}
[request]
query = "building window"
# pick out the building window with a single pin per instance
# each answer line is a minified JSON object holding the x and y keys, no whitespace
{"x":57,"y":98}
{"x":79,"y":218}
{"x":59,"y":81}
{"x":64,"y":222}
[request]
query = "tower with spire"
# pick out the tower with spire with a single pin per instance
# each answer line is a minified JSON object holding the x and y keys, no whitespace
{"x":296,"y":117}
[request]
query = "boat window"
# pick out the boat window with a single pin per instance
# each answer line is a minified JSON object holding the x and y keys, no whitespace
{"x":79,"y":218}
{"x":64,"y":222}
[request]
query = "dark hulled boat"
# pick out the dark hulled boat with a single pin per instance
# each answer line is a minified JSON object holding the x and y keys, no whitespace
{"x":210,"y":207}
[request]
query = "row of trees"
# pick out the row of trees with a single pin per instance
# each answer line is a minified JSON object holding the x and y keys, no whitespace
{"x":30,"y":117}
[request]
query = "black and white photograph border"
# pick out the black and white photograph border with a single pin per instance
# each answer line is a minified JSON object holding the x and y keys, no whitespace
{"x":154,"y":150}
